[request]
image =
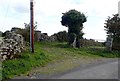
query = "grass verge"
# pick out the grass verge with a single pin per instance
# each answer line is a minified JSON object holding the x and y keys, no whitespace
{"x":25,"y":63}
{"x":51,"y":53}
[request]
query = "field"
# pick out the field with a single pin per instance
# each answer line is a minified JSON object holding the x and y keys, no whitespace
{"x":61,"y":55}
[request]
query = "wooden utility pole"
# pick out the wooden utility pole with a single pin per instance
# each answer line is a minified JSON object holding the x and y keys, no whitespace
{"x":31,"y":26}
{"x":119,"y":9}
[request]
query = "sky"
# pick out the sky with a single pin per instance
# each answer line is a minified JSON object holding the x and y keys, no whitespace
{"x":48,"y":13}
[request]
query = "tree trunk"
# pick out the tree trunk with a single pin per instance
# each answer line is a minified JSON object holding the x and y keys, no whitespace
{"x":78,"y":43}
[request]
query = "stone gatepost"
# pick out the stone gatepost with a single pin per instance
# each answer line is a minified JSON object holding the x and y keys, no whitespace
{"x":74,"y":43}
{"x":109,"y":42}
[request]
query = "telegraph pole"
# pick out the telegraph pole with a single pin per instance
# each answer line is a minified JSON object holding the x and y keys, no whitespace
{"x":31,"y":27}
{"x":119,"y":9}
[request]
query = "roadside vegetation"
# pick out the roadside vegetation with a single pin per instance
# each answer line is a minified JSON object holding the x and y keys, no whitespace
{"x":70,"y":50}
{"x":47,"y":52}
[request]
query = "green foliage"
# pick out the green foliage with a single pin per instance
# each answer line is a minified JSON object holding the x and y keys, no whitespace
{"x":0,"y":71}
{"x":22,"y":65}
{"x":64,"y":48}
{"x":112,"y":26}
{"x":73,"y":17}
{"x":74,"y":21}
{"x":101,"y":51}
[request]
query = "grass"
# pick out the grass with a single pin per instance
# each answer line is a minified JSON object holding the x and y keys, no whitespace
{"x":0,"y":62}
{"x":62,"y":55}
{"x":102,"y":52}
{"x":0,"y":71}
{"x":90,"y":51}
{"x":25,"y":63}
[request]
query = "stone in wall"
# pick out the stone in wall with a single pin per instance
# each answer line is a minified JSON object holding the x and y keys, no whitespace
{"x":11,"y":46}
{"x":46,"y":38}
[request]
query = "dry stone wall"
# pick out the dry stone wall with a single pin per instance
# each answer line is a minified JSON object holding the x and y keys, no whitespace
{"x":11,"y":46}
{"x":45,"y":37}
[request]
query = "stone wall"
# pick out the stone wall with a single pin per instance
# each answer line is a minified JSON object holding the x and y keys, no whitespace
{"x":44,"y":37}
{"x":11,"y":46}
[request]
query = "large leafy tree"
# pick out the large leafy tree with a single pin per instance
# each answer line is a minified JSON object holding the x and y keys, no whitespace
{"x":112,"y":26}
{"x":74,"y":20}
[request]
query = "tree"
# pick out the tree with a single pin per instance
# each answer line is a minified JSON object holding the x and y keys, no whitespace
{"x":112,"y":26}
{"x":74,"y":21}
{"x":26,"y":31}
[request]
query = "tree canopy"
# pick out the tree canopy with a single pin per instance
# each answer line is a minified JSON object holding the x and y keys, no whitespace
{"x":74,"y":20}
{"x":112,"y":26}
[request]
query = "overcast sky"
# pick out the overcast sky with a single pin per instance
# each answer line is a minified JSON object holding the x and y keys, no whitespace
{"x":48,"y":13}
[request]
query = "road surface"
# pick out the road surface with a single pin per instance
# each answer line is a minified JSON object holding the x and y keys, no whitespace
{"x":100,"y":71}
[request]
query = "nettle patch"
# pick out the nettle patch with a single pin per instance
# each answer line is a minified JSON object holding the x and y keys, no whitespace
{"x":11,"y":46}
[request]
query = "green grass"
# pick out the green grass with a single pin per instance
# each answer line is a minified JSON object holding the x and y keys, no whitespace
{"x":50,"y":53}
{"x":102,"y":52}
{"x":90,"y":51}
{"x":25,"y":63}
{"x":0,"y":71}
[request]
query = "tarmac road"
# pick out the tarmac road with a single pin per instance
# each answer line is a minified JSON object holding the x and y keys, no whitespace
{"x":100,"y":71}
